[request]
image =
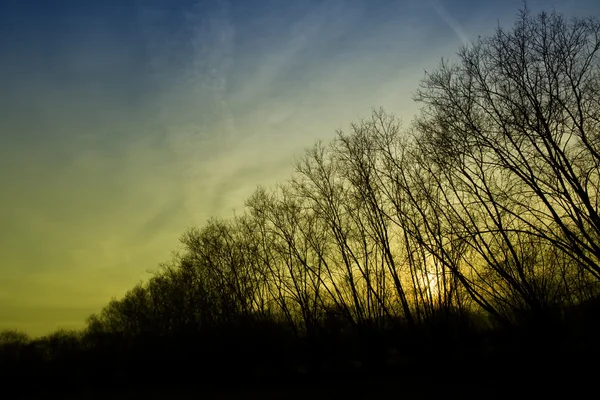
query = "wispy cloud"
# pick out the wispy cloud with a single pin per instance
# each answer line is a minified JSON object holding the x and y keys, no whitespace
{"x":452,"y":22}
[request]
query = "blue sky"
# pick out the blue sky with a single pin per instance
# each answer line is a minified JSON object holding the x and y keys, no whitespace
{"x":122,"y":123}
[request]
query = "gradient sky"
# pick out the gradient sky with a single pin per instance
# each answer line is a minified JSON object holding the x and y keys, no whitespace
{"x":124,"y":122}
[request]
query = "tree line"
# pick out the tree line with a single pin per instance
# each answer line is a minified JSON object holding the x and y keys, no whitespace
{"x":472,"y":232}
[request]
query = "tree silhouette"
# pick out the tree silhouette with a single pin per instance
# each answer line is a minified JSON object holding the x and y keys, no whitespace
{"x":520,"y":111}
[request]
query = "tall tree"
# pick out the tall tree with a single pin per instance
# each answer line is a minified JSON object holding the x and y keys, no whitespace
{"x":522,"y":109}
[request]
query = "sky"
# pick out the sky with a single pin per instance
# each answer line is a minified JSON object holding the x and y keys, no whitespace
{"x":125,"y":122}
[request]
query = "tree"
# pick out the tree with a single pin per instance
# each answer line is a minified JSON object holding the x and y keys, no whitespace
{"x":514,"y":127}
{"x":12,"y":343}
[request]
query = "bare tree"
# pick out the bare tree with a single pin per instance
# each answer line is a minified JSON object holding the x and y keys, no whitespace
{"x":524,"y":103}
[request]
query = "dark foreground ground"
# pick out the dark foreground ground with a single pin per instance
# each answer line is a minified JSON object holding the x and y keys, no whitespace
{"x":367,"y":389}
{"x":535,"y":366}
{"x":440,"y":382}
{"x":371,"y":389}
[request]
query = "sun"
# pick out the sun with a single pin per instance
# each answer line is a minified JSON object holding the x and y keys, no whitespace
{"x":429,"y":283}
